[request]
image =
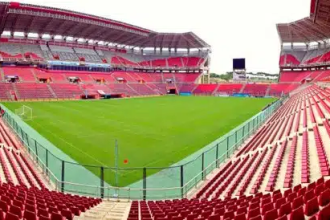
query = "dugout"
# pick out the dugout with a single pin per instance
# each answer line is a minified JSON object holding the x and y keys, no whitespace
{"x":12,"y":79}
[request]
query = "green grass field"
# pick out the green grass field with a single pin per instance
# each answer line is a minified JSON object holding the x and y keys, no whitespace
{"x":151,"y":132}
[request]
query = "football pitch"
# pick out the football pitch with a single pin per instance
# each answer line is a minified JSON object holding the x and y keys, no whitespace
{"x":151,"y":132}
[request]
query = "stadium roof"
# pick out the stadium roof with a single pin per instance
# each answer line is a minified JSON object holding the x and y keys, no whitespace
{"x":18,"y":17}
{"x":309,"y":29}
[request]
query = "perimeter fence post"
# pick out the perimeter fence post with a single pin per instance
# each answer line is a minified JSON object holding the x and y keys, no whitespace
{"x":102,"y":183}
{"x":36,"y":151}
{"x":144,"y":183}
{"x":27,"y":140}
{"x":181,"y":181}
{"x":203,"y":176}
{"x":217,"y":156}
{"x":62,"y":176}
{"x":227,"y":146}
{"x":47,"y":162}
{"x":236,"y":144}
{"x":243,"y":134}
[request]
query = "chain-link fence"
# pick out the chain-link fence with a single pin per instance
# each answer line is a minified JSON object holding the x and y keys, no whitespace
{"x":155,"y":182}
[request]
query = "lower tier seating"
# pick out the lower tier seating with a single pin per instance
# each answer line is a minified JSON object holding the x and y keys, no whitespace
{"x":33,"y":91}
{"x":298,"y":203}
{"x":67,"y":90}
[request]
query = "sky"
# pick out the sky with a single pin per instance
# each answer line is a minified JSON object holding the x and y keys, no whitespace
{"x":233,"y":28}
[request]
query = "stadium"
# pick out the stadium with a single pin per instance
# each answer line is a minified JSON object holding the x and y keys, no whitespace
{"x":101,"y":119}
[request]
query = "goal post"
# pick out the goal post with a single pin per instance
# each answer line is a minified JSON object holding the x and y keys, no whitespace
{"x":24,"y":112}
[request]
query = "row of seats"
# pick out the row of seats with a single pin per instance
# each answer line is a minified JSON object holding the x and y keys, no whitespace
{"x":304,"y":76}
{"x":19,"y":202}
{"x":27,"y":90}
{"x":281,"y":152}
{"x":189,"y":62}
{"x":33,"y":75}
{"x":55,"y":52}
{"x":298,"y":203}
{"x":311,"y":57}
{"x":23,"y":192}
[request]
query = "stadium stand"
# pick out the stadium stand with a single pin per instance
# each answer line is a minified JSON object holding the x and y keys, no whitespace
{"x":256,"y":89}
{"x":24,"y":192}
{"x":33,"y":90}
{"x":229,"y":88}
{"x":265,"y":180}
{"x":206,"y":89}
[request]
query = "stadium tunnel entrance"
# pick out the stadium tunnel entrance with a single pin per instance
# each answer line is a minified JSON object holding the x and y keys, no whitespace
{"x":172,"y":91}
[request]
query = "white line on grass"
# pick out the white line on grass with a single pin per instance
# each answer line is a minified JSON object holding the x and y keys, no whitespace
{"x":70,"y":144}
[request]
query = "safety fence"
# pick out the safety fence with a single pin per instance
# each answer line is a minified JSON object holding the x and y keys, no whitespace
{"x":149,"y":182}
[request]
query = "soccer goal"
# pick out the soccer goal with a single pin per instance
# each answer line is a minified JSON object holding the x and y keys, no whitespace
{"x":24,"y":112}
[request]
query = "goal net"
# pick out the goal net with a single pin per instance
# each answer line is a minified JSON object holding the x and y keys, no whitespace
{"x":24,"y":112}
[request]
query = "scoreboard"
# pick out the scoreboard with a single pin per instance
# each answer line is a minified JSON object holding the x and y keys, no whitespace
{"x":239,"y":71}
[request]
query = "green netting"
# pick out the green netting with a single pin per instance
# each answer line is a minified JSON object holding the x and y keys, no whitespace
{"x":192,"y":173}
{"x":210,"y":157}
{"x":73,"y":174}
{"x":239,"y":135}
{"x":167,"y":178}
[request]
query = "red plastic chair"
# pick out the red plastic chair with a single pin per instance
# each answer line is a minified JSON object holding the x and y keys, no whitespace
{"x":4,"y":206}
{"x":240,"y":217}
{"x":68,"y":214}
{"x":271,"y":215}
{"x":309,"y":195}
{"x":16,"y":210}
{"x":253,"y":213}
{"x":267,"y":208}
{"x":324,"y":214}
{"x":297,"y":214}
{"x":284,"y":217}
{"x":319,"y":189}
{"x":280,"y":202}
{"x":311,"y":207}
{"x":11,"y":216}
{"x":214,"y":217}
{"x":285,"y":209}
{"x":297,"y":202}
{"x":324,"y":198}
{"x":30,"y":215}
{"x":256,"y":218}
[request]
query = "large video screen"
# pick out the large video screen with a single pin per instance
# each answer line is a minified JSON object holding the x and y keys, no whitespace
{"x":239,"y":63}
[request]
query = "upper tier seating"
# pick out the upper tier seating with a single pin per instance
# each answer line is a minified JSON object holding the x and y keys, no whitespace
{"x":89,"y":55}
{"x":11,"y":51}
{"x":294,"y":76}
{"x":298,"y":203}
{"x":289,"y":60}
{"x":175,"y":62}
{"x":32,"y":51}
